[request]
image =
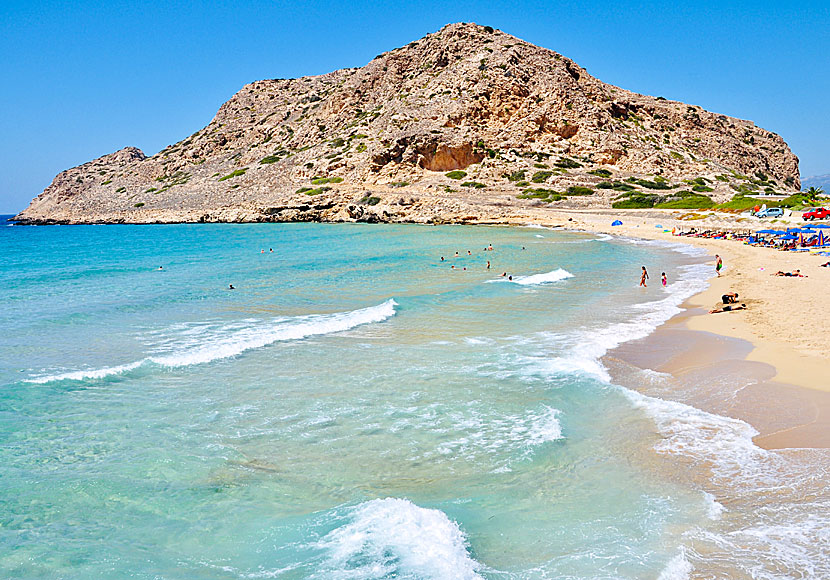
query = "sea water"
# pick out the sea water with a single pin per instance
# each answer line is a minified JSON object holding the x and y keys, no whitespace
{"x":356,"y":408}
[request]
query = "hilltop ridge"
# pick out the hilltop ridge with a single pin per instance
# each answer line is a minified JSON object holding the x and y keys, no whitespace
{"x":467,"y":123}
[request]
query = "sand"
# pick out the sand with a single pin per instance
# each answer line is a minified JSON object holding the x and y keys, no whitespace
{"x":785,"y":329}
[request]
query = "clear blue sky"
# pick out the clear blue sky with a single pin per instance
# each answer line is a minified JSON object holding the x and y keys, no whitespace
{"x":82,"y":79}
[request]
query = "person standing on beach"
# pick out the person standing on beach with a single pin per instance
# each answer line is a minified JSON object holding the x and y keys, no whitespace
{"x":718,"y":264}
{"x":643,"y":278}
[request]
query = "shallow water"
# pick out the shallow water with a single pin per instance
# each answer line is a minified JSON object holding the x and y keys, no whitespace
{"x":357,"y":409}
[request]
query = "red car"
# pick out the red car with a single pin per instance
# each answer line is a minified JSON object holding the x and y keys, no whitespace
{"x":816,"y":213}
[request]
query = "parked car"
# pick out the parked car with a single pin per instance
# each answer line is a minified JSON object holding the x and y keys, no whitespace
{"x":816,"y":213}
{"x":770,"y":212}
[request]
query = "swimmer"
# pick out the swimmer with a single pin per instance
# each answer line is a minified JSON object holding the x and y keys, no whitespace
{"x":230,"y":287}
{"x":510,"y":278}
{"x":442,"y":258}
{"x":262,"y":251}
{"x":503,"y":274}
{"x":456,"y":254}
{"x":488,"y":264}
{"x":161,"y":267}
{"x":271,"y":251}
{"x":469,"y":253}
{"x":490,"y":247}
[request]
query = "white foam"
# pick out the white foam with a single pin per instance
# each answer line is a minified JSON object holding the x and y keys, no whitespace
{"x":257,"y":335}
{"x":723,"y":442}
{"x":394,"y":538}
{"x":713,"y":509}
{"x":87,"y":374}
{"x":203,"y":344}
{"x":546,"y":278}
{"x":678,"y":568}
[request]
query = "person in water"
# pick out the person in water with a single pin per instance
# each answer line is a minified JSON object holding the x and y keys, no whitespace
{"x":663,"y":279}
{"x":442,"y":258}
{"x":643,"y":278}
{"x":510,"y":278}
{"x":488,"y":264}
{"x":230,"y":287}
{"x":728,"y":308}
{"x":503,"y":274}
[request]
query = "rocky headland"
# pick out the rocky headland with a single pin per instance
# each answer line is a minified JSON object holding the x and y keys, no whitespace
{"x":468,"y":124}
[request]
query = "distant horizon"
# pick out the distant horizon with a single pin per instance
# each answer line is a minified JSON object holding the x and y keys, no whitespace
{"x":84,"y":92}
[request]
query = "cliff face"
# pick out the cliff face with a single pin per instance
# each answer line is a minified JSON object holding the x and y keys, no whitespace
{"x":376,"y":143}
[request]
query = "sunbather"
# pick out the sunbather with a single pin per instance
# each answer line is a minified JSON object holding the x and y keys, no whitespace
{"x":728,"y":309}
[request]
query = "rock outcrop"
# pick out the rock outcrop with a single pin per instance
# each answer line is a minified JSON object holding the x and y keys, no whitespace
{"x":455,"y":124}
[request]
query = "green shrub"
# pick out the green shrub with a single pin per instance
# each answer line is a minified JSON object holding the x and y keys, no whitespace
{"x":636,"y":201}
{"x":399,"y":184}
{"x":324,"y":180}
{"x":702,"y":188}
{"x":121,"y":190}
{"x":521,"y":183}
{"x":620,"y":186}
{"x":337,"y":143}
{"x":303,"y":190}
{"x":685,"y":200}
{"x":600,"y":173}
{"x":579,"y":190}
{"x":547,"y":195}
{"x":361,"y":147}
{"x":541,"y":176}
{"x":107,"y":182}
{"x":541,"y":166}
{"x":489,"y":29}
{"x":235,"y":173}
{"x":566,"y":163}
{"x":474,"y":184}
{"x":369,"y":200}
{"x":456,"y":174}
{"x":316,"y":191}
{"x":139,"y":204}
{"x":270,"y":159}
{"x":150,"y":190}
{"x":515,"y":176}
{"x":650,"y":184}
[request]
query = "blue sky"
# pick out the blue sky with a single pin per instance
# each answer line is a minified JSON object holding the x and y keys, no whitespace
{"x":83,"y":79}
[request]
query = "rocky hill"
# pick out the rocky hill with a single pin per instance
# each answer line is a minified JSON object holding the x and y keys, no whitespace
{"x":466,"y":124}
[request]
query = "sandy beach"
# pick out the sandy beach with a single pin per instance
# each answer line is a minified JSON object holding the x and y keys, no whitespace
{"x":781,"y":341}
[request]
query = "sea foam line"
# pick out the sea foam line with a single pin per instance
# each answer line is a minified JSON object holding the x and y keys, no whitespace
{"x":234,"y":342}
{"x":537,"y":279}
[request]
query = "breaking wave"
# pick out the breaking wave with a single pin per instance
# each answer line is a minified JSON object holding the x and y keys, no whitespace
{"x":205,"y":344}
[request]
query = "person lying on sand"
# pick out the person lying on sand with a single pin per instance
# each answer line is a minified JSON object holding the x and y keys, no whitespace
{"x":728,"y":309}
{"x":796,"y":274}
{"x":826,"y":265}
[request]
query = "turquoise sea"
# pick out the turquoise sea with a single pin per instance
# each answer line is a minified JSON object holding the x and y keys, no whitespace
{"x":357,"y":409}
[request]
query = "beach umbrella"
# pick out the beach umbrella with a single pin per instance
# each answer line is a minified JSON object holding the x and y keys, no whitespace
{"x":767,"y":231}
{"x":819,"y":226}
{"x":789,"y":237}
{"x":616,"y":223}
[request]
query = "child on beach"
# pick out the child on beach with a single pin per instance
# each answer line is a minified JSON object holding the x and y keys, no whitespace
{"x":663,"y":279}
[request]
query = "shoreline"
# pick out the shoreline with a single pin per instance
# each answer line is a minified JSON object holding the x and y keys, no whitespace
{"x":775,"y":351}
